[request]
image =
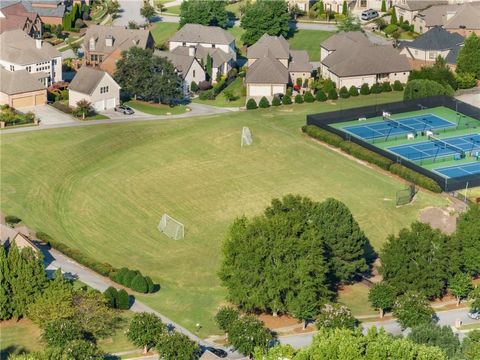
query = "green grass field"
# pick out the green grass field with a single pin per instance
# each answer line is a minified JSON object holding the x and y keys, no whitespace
{"x":163,"y":31}
{"x":156,"y":109}
{"x":309,"y":40}
{"x":102,"y":189}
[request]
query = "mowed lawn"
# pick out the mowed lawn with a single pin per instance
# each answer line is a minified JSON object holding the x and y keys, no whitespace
{"x":309,"y":40}
{"x":103,"y":189}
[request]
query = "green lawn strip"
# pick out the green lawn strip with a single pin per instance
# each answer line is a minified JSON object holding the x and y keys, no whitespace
{"x":473,"y":326}
{"x":119,"y":341}
{"x":156,"y":109}
{"x":356,"y":298}
{"x":18,"y":337}
{"x":237,"y":33}
{"x":236,"y":88}
{"x":172,"y":10}
{"x":97,"y":117}
{"x":163,"y":31}
{"x":310,"y":41}
{"x":102,"y":189}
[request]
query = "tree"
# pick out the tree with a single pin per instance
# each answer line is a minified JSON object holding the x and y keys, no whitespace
{"x":263,"y":103}
{"x":144,"y":330}
{"x":417,"y":89}
{"x":435,"y":335}
{"x":349,"y":23}
{"x":209,"y":13}
{"x":265,"y":17}
{"x":460,"y":286}
{"x":353,"y":91}
{"x":412,"y":309}
{"x":6,"y":308}
{"x":336,"y":316}
{"x":471,"y":345}
{"x":177,"y":346}
{"x":393,"y":18}
{"x":139,"y":284}
{"x":384,"y":6}
{"x":382,"y":297}
{"x":147,"y":11}
{"x":83,"y":108}
{"x":113,"y":7}
{"x":469,"y":57}
{"x":364,"y":89}
{"x":248,"y":333}
{"x":467,"y":236}
{"x":344,"y":8}
{"x":419,"y":259}
{"x":59,"y":332}
{"x":439,"y":72}
{"x":111,"y":295}
{"x":123,"y":300}
{"x":225,"y":317}
{"x":133,"y":25}
{"x":321,"y":96}
{"x":308,"y":97}
{"x":332,"y":94}
{"x":251,"y":104}
{"x":286,"y":100}
{"x":81,"y":350}
{"x":276,"y":101}
{"x":475,"y":297}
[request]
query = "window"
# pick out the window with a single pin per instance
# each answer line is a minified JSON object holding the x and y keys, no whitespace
{"x":193,"y":73}
{"x":29,"y":68}
{"x":213,"y":46}
{"x":104,"y":90}
{"x":184,"y":43}
{"x":432,"y":55}
{"x":12,"y":67}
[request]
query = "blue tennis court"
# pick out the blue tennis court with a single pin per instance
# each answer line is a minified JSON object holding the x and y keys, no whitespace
{"x":431,"y":149}
{"x":460,"y":170}
{"x":405,"y":125}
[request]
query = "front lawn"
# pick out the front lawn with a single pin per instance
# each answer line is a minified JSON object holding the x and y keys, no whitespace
{"x":174,"y":10}
{"x":236,"y":88}
{"x":97,"y":117}
{"x":18,"y":337}
{"x":156,"y":109}
{"x":163,"y":31}
{"x":309,"y":40}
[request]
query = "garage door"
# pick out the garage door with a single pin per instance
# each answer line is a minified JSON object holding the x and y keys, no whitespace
{"x":23,"y":101}
{"x":40,"y":99}
{"x":99,"y":105}
{"x":260,"y":90}
{"x":111,"y":103}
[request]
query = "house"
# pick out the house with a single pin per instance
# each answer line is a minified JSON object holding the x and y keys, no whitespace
{"x":208,"y":355}
{"x":350,"y":59}
{"x":408,"y":9}
{"x":50,"y":11}
{"x":13,"y":16}
{"x":95,"y":86}
{"x":272,"y":66}
{"x":9,"y":236}
{"x":18,"y":51}
{"x":303,"y":5}
{"x":21,"y":89}
{"x":428,"y":46}
{"x":187,"y":67}
{"x":103,"y":45}
{"x":205,"y":36}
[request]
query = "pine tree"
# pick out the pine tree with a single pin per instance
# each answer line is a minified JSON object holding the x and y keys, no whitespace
{"x":384,"y":6}
{"x":344,"y":8}
{"x":393,"y":18}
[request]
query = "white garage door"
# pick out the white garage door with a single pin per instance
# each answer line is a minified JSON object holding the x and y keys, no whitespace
{"x":260,"y":90}
{"x":110,"y":103}
{"x":278,"y":89}
{"x":99,"y":105}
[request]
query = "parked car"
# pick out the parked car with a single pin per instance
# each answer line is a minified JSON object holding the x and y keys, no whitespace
{"x":218,"y":352}
{"x":369,"y":14}
{"x":127,"y":110}
{"x":475,"y":315}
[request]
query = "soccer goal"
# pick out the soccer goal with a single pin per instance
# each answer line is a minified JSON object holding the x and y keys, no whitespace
{"x":246,"y":137}
{"x":172,"y":228}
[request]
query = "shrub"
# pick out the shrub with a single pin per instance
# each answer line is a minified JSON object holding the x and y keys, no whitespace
{"x":123,"y":300}
{"x":390,"y":29}
{"x":150,"y":284}
{"x":353,"y":91}
{"x":139,"y":284}
{"x":263,"y":103}
{"x":421,"y":88}
{"x":206,"y":95}
{"x":111,"y":295}
{"x":332,"y":94}
{"x":365,"y":90}
{"x":344,"y":94}
{"x":415,"y":177}
{"x":193,"y":87}
{"x":364,"y":154}
{"x":120,"y":275}
{"x":386,"y":87}
{"x":466,"y":80}
{"x":251,"y":104}
{"x":225,"y":317}
{"x":376,"y":89}
{"x":128,"y":278}
{"x":219,"y":86}
{"x":308,"y":97}
{"x":299,"y":82}
{"x":397,"y":85}
{"x":12,"y":219}
{"x":79,"y":23}
{"x":276,"y":101}
{"x":287,"y":100}
{"x":322,"y":135}
{"x":204,"y":85}
{"x":321,"y":96}
{"x":336,"y":316}
{"x":298,"y":99}
{"x":328,"y":85}
{"x":289,"y":92}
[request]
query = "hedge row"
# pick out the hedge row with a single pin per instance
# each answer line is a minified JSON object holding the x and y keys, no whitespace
{"x":137,"y":282}
{"x":371,"y":157}
{"x":117,"y":299}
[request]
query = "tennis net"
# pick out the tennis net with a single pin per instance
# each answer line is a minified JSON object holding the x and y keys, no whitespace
{"x":446,"y":145}
{"x":398,"y":124}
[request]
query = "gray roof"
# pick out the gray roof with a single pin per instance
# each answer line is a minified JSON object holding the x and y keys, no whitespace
{"x":218,"y":56}
{"x":277,"y":46}
{"x":181,"y":62}
{"x":452,"y":56}
{"x":344,"y":40}
{"x":57,"y":11}
{"x":19,"y":48}
{"x":86,"y":80}
{"x":196,"y":33}
{"x":460,"y":14}
{"x":267,"y":70}
{"x":437,"y":39}
{"x":299,"y":61}
{"x":415,"y":5}
{"x":468,"y":16}
{"x":123,"y":39}
{"x":18,"y":82}
{"x":208,"y":355}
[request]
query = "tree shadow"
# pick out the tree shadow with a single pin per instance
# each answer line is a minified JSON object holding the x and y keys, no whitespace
{"x":12,"y":350}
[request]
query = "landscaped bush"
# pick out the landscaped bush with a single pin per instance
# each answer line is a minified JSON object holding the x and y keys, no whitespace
{"x":111,"y":295}
{"x":251,"y":104}
{"x":353,"y":91}
{"x":204,"y":85}
{"x":289,"y":91}
{"x":193,"y":87}
{"x":332,"y":94}
{"x":123,"y":300}
{"x":276,"y":101}
{"x":376,"y":88}
{"x":12,"y":219}
{"x":298,"y":99}
{"x":344,"y":94}
{"x":397,"y":85}
{"x":386,"y":87}
{"x":322,"y":135}
{"x":421,"y":88}
{"x":206,"y":95}
{"x":415,"y":177}
{"x":466,"y":80}
{"x":11,"y":117}
{"x":128,"y":278}
{"x":390,"y":29}
{"x":139,"y":284}
{"x":321,"y":96}
{"x":365,"y":89}
{"x":364,"y":154}
{"x":287,"y":100}
{"x":308,"y":97}
{"x":219,"y":86}
{"x":263,"y":103}
{"x":150,"y":284}
{"x":119,"y":276}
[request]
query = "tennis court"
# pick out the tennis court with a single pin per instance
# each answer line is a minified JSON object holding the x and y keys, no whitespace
{"x":432,"y":149}
{"x":399,"y":126}
{"x":455,"y":171}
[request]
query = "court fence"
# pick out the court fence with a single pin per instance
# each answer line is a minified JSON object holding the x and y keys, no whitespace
{"x":324,"y":120}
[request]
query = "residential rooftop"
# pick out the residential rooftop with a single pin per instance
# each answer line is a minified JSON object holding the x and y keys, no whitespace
{"x":196,"y":33}
{"x":19,"y":48}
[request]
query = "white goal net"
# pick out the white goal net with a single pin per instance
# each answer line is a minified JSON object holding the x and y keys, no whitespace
{"x":246,"y":137}
{"x":172,"y":228}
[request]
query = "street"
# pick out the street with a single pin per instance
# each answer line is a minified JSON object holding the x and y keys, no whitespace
{"x":129,"y":11}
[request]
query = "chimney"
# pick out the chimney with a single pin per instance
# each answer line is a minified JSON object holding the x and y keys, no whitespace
{"x":191,"y":51}
{"x":38,"y":43}
{"x":91,"y":44}
{"x":109,"y":40}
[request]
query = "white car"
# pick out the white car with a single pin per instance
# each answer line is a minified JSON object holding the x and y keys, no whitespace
{"x":475,"y":315}
{"x":369,"y":14}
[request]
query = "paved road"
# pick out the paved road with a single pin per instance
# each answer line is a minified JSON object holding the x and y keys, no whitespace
{"x":129,"y":11}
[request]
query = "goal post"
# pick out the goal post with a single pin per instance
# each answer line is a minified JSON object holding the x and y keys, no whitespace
{"x":246,"y":137}
{"x":174,"y":229}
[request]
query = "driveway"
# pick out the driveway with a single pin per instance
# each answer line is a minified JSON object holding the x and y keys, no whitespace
{"x":129,"y":11}
{"x":471,"y":97}
{"x":48,"y":115}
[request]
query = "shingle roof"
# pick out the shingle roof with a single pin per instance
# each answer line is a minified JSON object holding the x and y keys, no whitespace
{"x":344,"y":39}
{"x":86,"y":80}
{"x":267,"y":70}
{"x":123,"y":39}
{"x":15,"y":16}
{"x":57,"y":11}
{"x":415,"y":5}
{"x":19,"y":48}
{"x":436,"y":38}
{"x":218,"y":56}
{"x":299,"y":61}
{"x":208,"y":355}
{"x":468,"y":17}
{"x":181,"y":62}
{"x":197,"y":33}
{"x":18,"y":82}
{"x":276,"y":45}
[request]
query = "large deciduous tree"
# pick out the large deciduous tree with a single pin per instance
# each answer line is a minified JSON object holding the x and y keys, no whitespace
{"x":460,"y":286}
{"x":210,"y":13}
{"x":147,"y":11}
{"x":469,"y":57}
{"x":412,"y":309}
{"x":265,"y":17}
{"x":248,"y":333}
{"x":435,"y":335}
{"x":144,"y":330}
{"x":382,"y":297}
{"x":176,"y":346}
{"x":468,"y":237}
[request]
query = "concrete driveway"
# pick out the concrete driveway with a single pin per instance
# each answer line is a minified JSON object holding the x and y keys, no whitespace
{"x":48,"y":115}
{"x":129,"y":11}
